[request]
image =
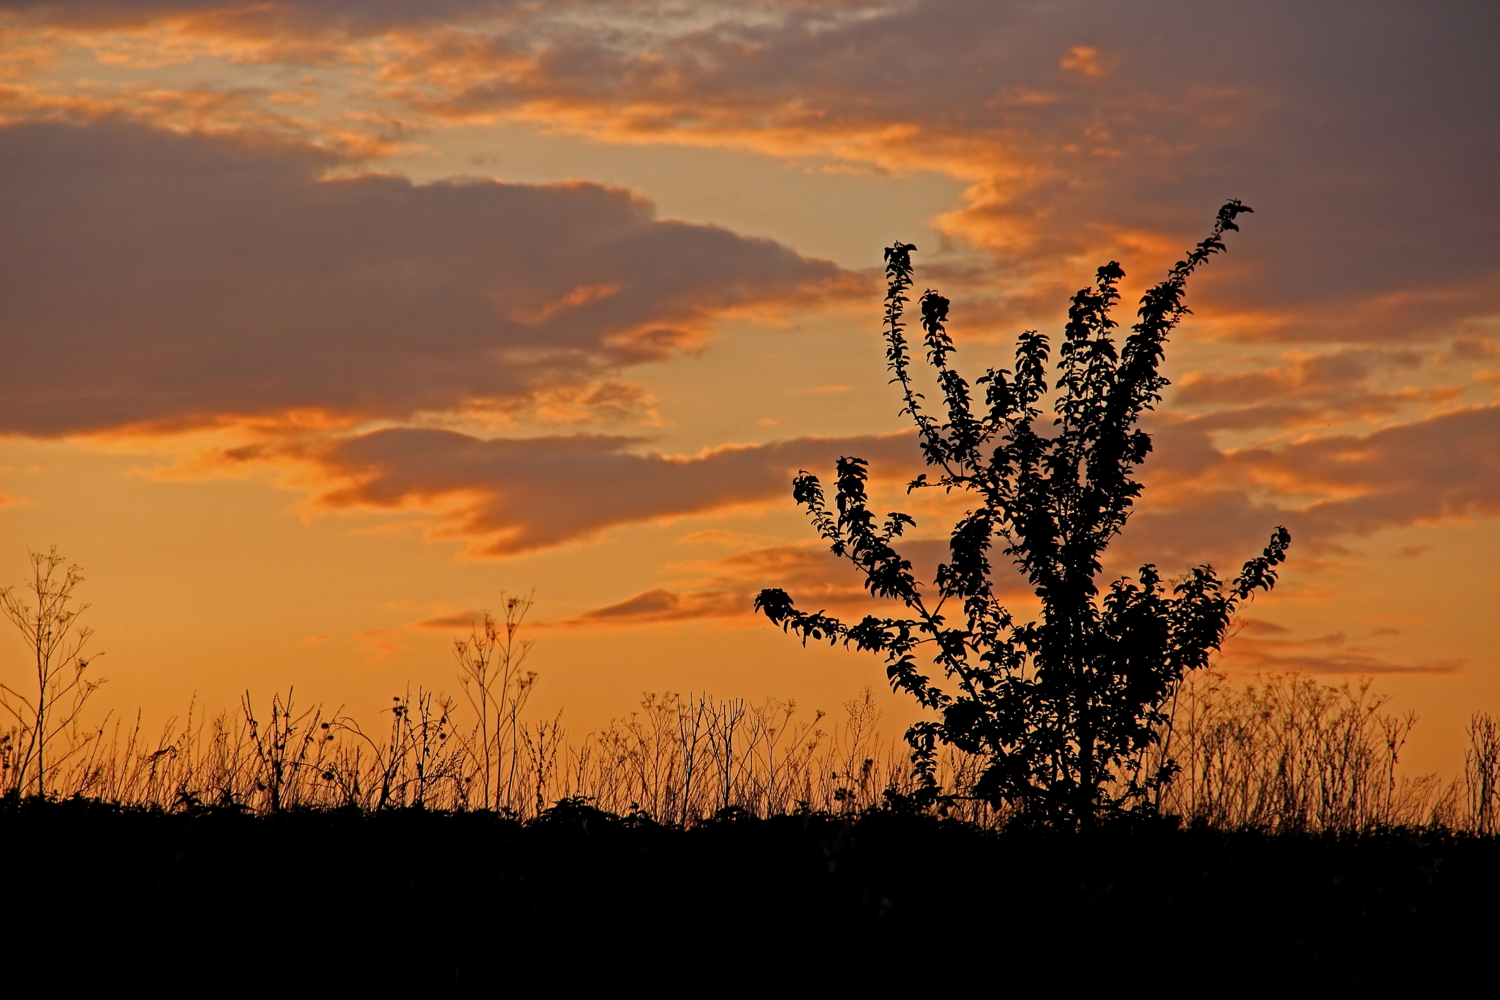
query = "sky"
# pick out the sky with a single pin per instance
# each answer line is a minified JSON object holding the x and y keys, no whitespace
{"x":326,"y":325}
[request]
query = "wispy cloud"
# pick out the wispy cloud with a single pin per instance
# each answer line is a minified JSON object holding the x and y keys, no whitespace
{"x":1335,"y":653}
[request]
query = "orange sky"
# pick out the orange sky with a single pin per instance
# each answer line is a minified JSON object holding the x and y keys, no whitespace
{"x":325,"y":323}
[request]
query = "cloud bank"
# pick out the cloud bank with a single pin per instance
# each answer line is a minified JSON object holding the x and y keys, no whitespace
{"x":154,"y":278}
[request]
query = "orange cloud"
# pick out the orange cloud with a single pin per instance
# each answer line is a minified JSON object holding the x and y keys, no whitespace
{"x":1444,"y":467}
{"x":1326,"y":390}
{"x":1081,"y":59}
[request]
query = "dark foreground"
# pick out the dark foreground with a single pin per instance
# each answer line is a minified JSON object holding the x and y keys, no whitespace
{"x":323,"y":901}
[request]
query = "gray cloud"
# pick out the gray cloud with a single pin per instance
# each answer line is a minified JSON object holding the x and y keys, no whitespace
{"x":661,"y":607}
{"x":1328,"y":654}
{"x":1314,"y":390}
{"x":816,"y":578}
{"x":1200,"y":504}
{"x":1203,"y":505}
{"x":1444,"y":467}
{"x":154,"y":277}
{"x":358,"y":16}
{"x":519,"y":494}
{"x":180,"y":278}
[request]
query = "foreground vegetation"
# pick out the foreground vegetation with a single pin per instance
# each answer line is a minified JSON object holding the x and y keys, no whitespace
{"x":1282,"y":755}
{"x":1285,"y":754}
{"x":460,"y":841}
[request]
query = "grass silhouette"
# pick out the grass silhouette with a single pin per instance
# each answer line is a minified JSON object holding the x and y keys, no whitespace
{"x":1283,"y":754}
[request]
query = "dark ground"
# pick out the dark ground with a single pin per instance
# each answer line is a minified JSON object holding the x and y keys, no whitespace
{"x":325,"y":901}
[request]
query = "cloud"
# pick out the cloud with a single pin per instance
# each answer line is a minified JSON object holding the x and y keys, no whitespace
{"x":1346,"y":389}
{"x":1201,"y":504}
{"x":511,"y":495}
{"x":461,"y":621}
{"x":1215,"y":506}
{"x":1266,"y":648}
{"x":1412,"y":551}
{"x":1205,"y":505}
{"x":380,"y":643}
{"x":155,"y":278}
{"x":1303,"y":375}
{"x":1359,"y":132}
{"x":356,"y":15}
{"x":1083,"y":129}
{"x":657,"y":607}
{"x":1328,"y":654}
{"x":1443,"y":467}
{"x":725,"y":588}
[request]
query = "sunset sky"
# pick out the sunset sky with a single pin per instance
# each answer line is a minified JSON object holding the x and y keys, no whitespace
{"x":324,"y":324}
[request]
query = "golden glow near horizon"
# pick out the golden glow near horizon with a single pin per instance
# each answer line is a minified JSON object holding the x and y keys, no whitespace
{"x":302,"y":387}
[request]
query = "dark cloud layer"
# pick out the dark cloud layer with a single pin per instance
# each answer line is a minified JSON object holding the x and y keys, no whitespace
{"x":1362,"y":132}
{"x":354,"y":15}
{"x":153,"y":277}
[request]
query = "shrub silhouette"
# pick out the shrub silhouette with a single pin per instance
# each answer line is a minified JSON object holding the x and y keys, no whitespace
{"x":1065,"y":710}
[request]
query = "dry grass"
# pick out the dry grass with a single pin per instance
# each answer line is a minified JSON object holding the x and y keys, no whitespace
{"x":1293,"y":754}
{"x":677,"y":759}
{"x":1282,"y":754}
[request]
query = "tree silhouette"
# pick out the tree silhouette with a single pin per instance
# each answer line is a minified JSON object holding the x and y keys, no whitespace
{"x":1066,"y":709}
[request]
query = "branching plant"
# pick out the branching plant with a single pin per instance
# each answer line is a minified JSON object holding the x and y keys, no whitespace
{"x":496,"y":690}
{"x":1065,"y":710}
{"x":50,"y":703}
